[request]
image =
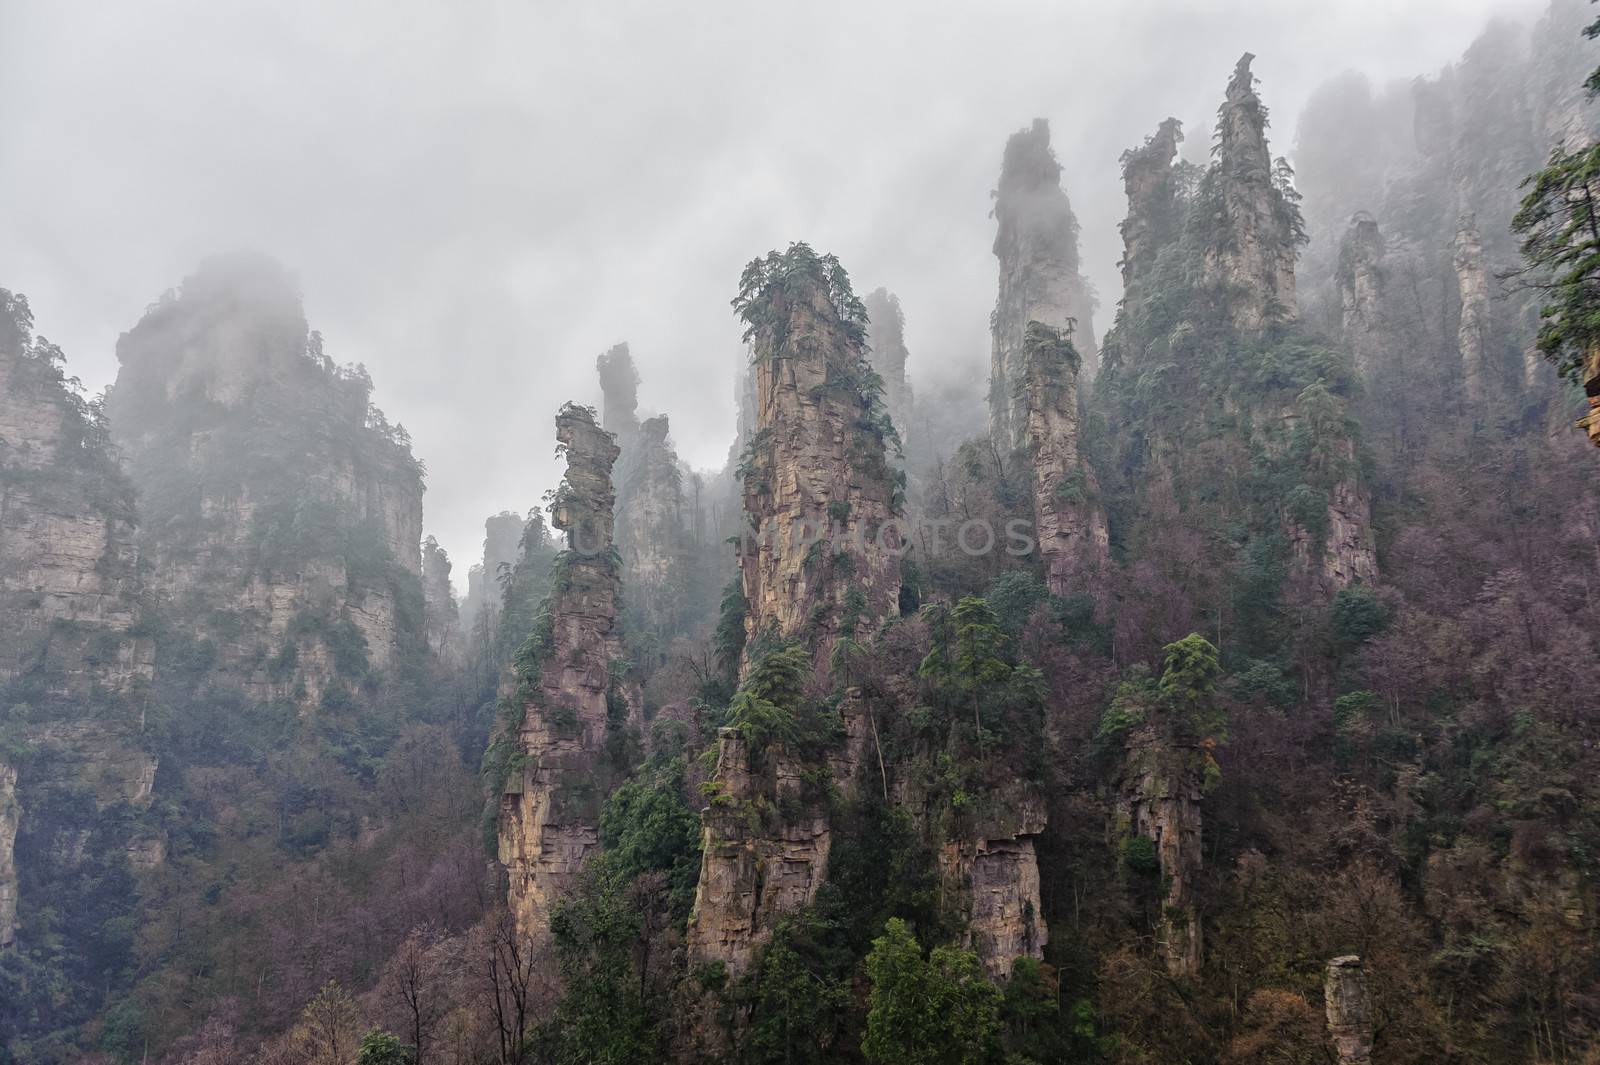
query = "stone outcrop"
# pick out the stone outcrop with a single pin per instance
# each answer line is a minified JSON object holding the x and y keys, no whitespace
{"x":1590,"y":422}
{"x":1251,"y":252}
{"x":1154,"y":218}
{"x":1068,"y":522}
{"x":1361,"y":294}
{"x":886,"y":348}
{"x":502,"y":535}
{"x":74,"y":670}
{"x":991,"y":880}
{"x":1473,"y":332}
{"x":819,"y":495}
{"x":1037,"y":244}
{"x":274,"y":494}
{"x":652,"y":516}
{"x":652,"y":536}
{"x":754,"y":868}
{"x":1160,"y":800}
{"x":1348,"y":554}
{"x":10,"y":816}
{"x":549,"y":823}
{"x":441,"y":616}
{"x":1349,"y":1010}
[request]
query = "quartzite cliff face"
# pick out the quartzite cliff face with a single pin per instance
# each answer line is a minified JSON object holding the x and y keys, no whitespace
{"x":274,"y":494}
{"x":886,"y":347}
{"x":1037,"y":244}
{"x":1239,"y":220}
{"x":820,"y":498}
{"x":1252,"y":257}
{"x":572,"y":699}
{"x":1068,"y":522}
{"x":1349,"y":1010}
{"x":1160,"y":801}
{"x":820,"y":501}
{"x":74,"y":670}
{"x":1362,"y":296}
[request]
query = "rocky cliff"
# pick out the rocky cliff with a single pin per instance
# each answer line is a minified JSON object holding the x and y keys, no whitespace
{"x":275,"y":495}
{"x":1154,"y":217}
{"x":653,"y":517}
{"x":1349,"y":1010}
{"x":442,"y":618}
{"x":1473,"y":330}
{"x":75,"y":664}
{"x":1036,"y":241}
{"x":990,"y":877}
{"x":574,"y":701}
{"x":1361,"y":295}
{"x":819,"y":495}
{"x":1251,"y":255}
{"x":1069,"y":523}
{"x":10,"y":816}
{"x":480,"y":610}
{"x":823,"y":565}
{"x":754,"y":870}
{"x":1159,"y":801}
{"x":1209,"y":315}
{"x":886,"y":349}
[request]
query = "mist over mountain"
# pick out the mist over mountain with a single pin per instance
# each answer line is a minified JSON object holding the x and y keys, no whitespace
{"x":1032,"y":535}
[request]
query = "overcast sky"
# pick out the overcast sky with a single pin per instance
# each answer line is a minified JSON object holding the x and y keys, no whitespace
{"x":480,"y":197}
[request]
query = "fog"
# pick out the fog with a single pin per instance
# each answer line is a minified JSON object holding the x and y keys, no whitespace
{"x":480,"y":197}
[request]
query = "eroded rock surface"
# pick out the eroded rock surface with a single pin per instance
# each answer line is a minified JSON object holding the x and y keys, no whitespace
{"x":1068,"y":521}
{"x":886,"y":347}
{"x":819,"y":495}
{"x":758,"y":863}
{"x":991,"y":877}
{"x":74,"y":668}
{"x":1037,"y":244}
{"x":1160,"y":800}
{"x":1251,"y":256}
{"x":1361,"y":294}
{"x":280,"y":507}
{"x":573,"y":700}
{"x":1473,"y":332}
{"x":1349,"y":1010}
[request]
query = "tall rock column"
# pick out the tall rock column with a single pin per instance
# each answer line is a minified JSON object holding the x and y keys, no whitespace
{"x":1252,"y":254}
{"x":1349,"y":1010}
{"x":442,"y":618}
{"x":1036,"y":241}
{"x":1151,"y":186}
{"x":502,"y":534}
{"x":1068,"y":521}
{"x":619,"y":389}
{"x":1160,"y":800}
{"x":1361,"y":294}
{"x":819,"y":494}
{"x":820,"y":499}
{"x":1472,"y":335}
{"x":886,"y":346}
{"x":572,"y":701}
